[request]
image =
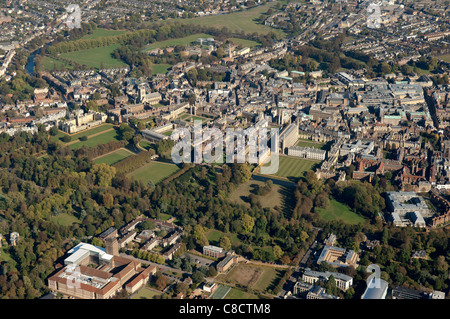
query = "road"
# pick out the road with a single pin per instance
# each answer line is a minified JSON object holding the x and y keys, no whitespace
{"x":158,"y":266}
{"x":289,"y":285}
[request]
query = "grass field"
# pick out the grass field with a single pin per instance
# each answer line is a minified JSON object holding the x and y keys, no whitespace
{"x":237,"y":21}
{"x":179,"y":41}
{"x":146,"y":293}
{"x":161,"y":68}
{"x":340,"y":211}
{"x":65,"y":219}
{"x":255,"y":277}
{"x":241,"y":193}
{"x":92,"y":131}
{"x":292,"y":168}
{"x":308,"y":143}
{"x":97,"y":139}
{"x":5,"y":256}
{"x":113,"y":157}
{"x":154,"y":171}
{"x":236,"y":293}
{"x":214,"y":237}
{"x":98,"y":33}
{"x":92,"y":58}
{"x":244,"y":42}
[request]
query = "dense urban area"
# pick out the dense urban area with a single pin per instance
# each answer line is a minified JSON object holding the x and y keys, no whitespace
{"x":93,"y":206}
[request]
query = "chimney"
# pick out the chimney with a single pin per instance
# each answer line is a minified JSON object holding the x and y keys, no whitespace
{"x":112,"y":246}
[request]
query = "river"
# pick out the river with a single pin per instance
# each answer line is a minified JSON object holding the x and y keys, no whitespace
{"x":30,"y":63}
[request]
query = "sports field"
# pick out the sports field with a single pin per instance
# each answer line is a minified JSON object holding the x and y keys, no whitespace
{"x":236,"y":293}
{"x":339,"y":211}
{"x":292,"y":167}
{"x":154,"y":171}
{"x":114,"y":157}
{"x":221,"y":292}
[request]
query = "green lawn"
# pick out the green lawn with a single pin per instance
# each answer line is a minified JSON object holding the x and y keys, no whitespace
{"x":268,"y":278}
{"x":145,"y":144}
{"x":65,"y":219}
{"x":293,"y":168}
{"x":161,"y":68}
{"x":154,"y":171}
{"x":95,"y":140}
{"x":114,"y":157}
{"x":6,"y":257}
{"x":308,"y":143}
{"x":237,"y":21}
{"x":93,"y":58}
{"x":236,"y":293}
{"x":339,"y":211}
{"x":92,"y":131}
{"x":49,"y":63}
{"x":244,"y":42}
{"x":214,"y":237}
{"x":179,"y":41}
{"x":98,"y":33}
{"x":146,"y":293}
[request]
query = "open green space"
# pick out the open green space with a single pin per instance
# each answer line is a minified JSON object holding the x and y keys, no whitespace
{"x":5,"y":256}
{"x":114,"y":157}
{"x":178,"y":41}
{"x":245,"y":20}
{"x":161,"y":68}
{"x":236,"y":293}
{"x":309,"y":143}
{"x":92,"y":58}
{"x":244,"y":42}
{"x":65,"y":219}
{"x":146,"y":293}
{"x":292,"y":167}
{"x":154,"y":171}
{"x":215,"y":235}
{"x":255,"y":277}
{"x":92,"y":131}
{"x":96,"y":140}
{"x":339,"y":211}
{"x":100,"y":32}
{"x":242,"y":192}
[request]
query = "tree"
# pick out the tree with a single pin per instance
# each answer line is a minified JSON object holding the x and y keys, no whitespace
{"x":197,"y":277}
{"x":225,"y":243}
{"x":277,"y":252}
{"x":212,"y":272}
{"x":247,"y":222}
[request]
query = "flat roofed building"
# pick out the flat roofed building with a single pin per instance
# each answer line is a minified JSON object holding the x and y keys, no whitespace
{"x":213,"y":251}
{"x":338,"y":257}
{"x":91,"y":273}
{"x":342,"y":281}
{"x":307,"y":152}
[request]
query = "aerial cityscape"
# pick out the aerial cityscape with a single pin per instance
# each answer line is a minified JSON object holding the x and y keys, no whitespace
{"x":225,"y":150}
